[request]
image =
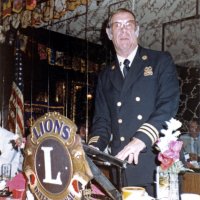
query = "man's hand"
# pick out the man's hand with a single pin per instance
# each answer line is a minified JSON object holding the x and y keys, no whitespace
{"x":132,"y":151}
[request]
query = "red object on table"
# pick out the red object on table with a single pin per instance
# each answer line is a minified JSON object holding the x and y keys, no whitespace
{"x":18,"y":182}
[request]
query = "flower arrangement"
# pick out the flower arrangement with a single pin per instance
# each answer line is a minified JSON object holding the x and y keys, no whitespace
{"x":170,"y":147}
{"x":169,"y":156}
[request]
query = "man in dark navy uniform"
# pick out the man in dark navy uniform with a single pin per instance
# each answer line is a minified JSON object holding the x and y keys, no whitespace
{"x":133,"y":104}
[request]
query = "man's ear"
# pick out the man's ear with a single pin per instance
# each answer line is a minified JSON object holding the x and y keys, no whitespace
{"x":137,"y":31}
{"x":109,"y":33}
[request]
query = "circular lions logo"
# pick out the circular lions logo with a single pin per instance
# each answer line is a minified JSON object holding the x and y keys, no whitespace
{"x":53,"y":154}
{"x":48,"y":152}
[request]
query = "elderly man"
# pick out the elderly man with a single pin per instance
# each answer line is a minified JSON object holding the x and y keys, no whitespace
{"x":135,"y":95}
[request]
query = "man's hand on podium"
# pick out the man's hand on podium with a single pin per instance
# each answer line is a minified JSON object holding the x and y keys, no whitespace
{"x":131,"y":151}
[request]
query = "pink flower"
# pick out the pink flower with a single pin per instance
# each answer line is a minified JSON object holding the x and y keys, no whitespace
{"x":168,"y":157}
{"x":171,"y":154}
{"x":175,"y":146}
{"x":166,"y":161}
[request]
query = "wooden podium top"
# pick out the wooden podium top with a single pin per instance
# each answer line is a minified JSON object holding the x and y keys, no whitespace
{"x":191,"y":182}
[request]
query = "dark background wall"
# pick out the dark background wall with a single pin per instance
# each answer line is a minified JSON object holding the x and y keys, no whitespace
{"x":6,"y":77}
{"x":189,"y":107}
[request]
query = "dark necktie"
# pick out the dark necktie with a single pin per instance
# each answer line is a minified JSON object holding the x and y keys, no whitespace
{"x":126,"y":67}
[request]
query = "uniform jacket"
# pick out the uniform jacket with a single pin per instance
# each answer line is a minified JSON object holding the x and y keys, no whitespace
{"x":136,"y":106}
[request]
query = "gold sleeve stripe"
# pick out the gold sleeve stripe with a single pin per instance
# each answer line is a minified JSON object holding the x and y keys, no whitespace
{"x":93,"y":139}
{"x":150,"y":130}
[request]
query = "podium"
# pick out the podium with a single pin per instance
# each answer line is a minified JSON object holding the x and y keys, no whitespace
{"x":106,"y":159}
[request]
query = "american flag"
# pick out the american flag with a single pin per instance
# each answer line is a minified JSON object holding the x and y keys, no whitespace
{"x":16,"y":101}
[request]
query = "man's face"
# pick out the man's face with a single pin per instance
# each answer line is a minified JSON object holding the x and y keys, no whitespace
{"x":122,"y":32}
{"x":193,"y":129}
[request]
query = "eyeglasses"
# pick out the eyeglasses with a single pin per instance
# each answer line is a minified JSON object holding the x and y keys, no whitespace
{"x":126,"y":24}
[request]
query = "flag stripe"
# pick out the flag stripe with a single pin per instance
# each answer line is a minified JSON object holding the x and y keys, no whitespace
{"x":16,"y":110}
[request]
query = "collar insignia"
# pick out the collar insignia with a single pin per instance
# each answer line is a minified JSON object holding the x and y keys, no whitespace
{"x":148,"y":71}
{"x":144,"y":57}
